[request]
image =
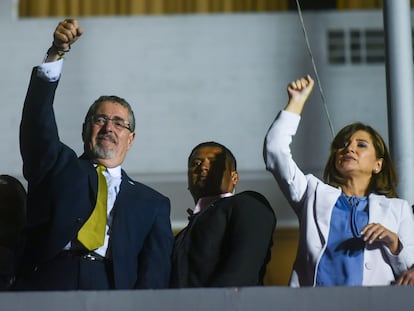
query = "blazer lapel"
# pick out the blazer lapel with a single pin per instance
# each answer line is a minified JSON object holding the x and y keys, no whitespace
{"x":324,"y":203}
{"x":377,"y":209}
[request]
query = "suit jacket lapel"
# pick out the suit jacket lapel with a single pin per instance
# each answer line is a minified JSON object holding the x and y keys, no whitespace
{"x":126,"y":193}
{"x":118,"y":239}
{"x":89,"y":168}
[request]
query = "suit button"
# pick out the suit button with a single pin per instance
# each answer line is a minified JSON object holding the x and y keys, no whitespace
{"x":79,"y":220}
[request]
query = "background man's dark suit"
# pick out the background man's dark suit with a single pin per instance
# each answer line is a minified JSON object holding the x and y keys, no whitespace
{"x":226,"y":244}
{"x":228,"y":239}
{"x":61,"y":195}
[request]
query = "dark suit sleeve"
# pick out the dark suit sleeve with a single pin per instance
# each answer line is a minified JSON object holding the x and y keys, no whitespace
{"x":39,"y":147}
{"x":39,"y":140}
{"x":155,"y":267}
{"x":248,"y":240}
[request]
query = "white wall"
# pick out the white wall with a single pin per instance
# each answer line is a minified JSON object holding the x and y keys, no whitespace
{"x":190,"y":79}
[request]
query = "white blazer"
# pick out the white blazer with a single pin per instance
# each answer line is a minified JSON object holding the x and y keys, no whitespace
{"x":313,"y":201}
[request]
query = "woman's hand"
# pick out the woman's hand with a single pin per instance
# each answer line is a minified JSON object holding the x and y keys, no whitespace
{"x":377,"y":233}
{"x":299,"y":90}
{"x":407,"y":278}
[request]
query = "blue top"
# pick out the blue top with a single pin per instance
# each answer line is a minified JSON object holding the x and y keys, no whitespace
{"x":343,"y":260}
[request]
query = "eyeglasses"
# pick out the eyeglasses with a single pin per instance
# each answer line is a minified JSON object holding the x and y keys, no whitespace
{"x":118,"y":123}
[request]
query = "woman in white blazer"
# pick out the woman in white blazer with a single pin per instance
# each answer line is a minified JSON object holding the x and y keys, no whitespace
{"x":354,"y":231}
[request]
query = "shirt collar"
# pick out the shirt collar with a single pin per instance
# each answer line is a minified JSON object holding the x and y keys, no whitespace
{"x":112,"y":171}
{"x":206,"y":201}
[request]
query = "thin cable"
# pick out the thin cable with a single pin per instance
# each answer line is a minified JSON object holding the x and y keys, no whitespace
{"x":314,"y":69}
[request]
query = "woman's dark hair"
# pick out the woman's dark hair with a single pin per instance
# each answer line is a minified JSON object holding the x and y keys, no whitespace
{"x":384,"y":182}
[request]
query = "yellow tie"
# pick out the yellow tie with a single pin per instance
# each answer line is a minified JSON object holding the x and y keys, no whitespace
{"x":92,"y":233}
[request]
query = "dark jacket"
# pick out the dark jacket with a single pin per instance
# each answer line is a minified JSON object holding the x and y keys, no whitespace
{"x":226,"y":244}
{"x":62,"y":194}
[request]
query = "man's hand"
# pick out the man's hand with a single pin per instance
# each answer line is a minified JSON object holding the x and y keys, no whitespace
{"x":66,"y":33}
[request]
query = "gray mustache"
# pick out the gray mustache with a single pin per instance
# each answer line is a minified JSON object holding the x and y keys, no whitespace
{"x":109,"y":136}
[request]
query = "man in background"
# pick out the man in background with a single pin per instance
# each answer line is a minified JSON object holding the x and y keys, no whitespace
{"x":228,"y":239}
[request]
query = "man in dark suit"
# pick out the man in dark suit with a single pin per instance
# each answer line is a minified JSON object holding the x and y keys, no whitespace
{"x":135,"y":241}
{"x":228,"y":239}
{"x":12,"y":220}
